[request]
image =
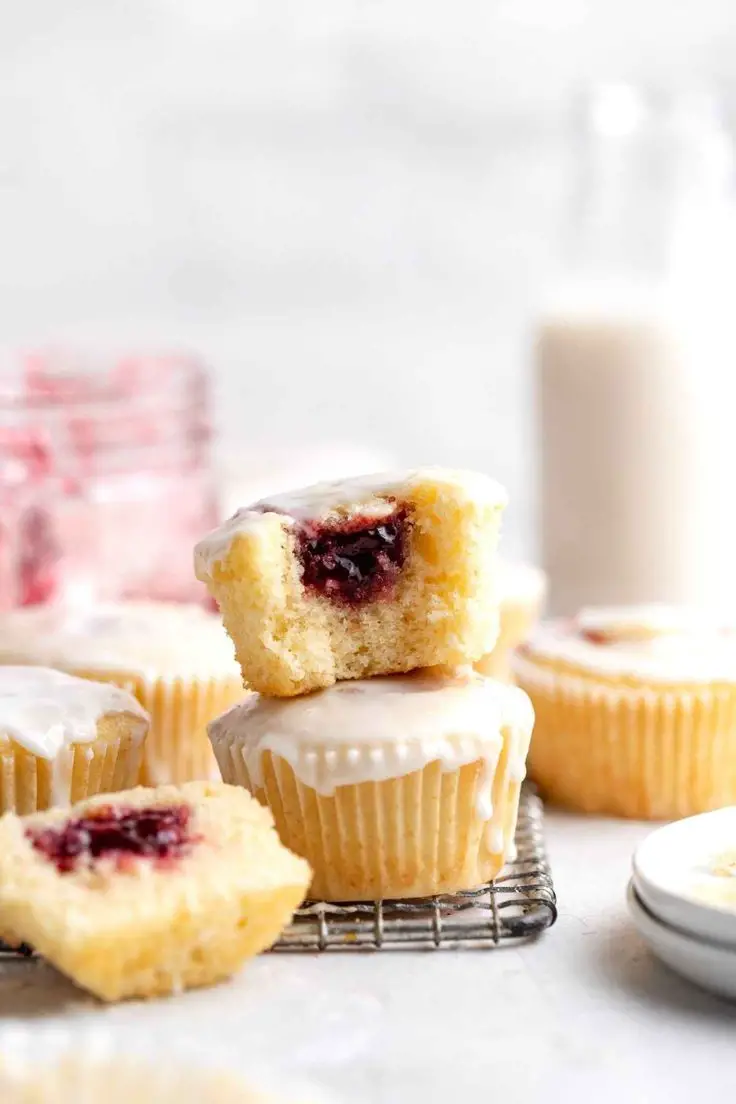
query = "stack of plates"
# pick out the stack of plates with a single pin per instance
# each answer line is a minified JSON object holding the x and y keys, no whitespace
{"x":682,"y":897}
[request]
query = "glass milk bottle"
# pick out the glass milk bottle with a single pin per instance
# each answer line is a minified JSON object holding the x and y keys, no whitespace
{"x":635,"y":362}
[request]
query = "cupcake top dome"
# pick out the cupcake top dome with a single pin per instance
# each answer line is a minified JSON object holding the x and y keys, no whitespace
{"x":660,"y":643}
{"x":150,"y":639}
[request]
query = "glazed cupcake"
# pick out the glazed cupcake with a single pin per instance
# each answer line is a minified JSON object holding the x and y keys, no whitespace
{"x":176,"y":659}
{"x":636,"y":711}
{"x":369,"y":576}
{"x":64,"y":738}
{"x":391,"y":787}
{"x":522,"y":589}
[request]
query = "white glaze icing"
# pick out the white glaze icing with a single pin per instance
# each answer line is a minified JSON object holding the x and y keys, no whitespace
{"x":380,"y":728}
{"x":371,"y":495}
{"x":622,"y":623}
{"x":62,"y":770}
{"x":151,"y":639}
{"x":46,"y":711}
{"x":662,"y":644}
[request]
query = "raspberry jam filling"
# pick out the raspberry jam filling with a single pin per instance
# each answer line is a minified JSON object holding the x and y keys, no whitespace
{"x":160,"y":832}
{"x":354,"y":561}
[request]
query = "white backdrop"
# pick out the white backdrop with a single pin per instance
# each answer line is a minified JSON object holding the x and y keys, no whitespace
{"x":349,"y":206}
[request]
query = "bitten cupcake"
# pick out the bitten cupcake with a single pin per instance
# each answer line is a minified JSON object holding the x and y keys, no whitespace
{"x":176,"y":659}
{"x":395,"y":786}
{"x":369,"y":576}
{"x":522,"y":590}
{"x":636,"y":711}
{"x":63,"y":739}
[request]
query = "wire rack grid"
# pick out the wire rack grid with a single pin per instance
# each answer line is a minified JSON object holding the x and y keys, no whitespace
{"x":517,"y":905}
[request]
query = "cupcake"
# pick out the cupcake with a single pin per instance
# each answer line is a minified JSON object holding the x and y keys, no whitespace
{"x":64,"y":738}
{"x":636,"y":711}
{"x":85,"y":1065}
{"x":176,"y":659}
{"x":522,"y":589}
{"x":361,"y":577}
{"x":149,"y":891}
{"x":396,"y":786}
{"x":117,"y":1081}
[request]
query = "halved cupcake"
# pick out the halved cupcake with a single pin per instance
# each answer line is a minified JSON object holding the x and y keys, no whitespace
{"x":148,"y":892}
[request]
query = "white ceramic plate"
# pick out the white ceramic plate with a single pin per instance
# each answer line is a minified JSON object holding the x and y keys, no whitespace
{"x":708,"y":965}
{"x":681,"y":874}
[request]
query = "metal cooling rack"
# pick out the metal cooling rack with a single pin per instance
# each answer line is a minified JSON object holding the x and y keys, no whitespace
{"x":519,"y":904}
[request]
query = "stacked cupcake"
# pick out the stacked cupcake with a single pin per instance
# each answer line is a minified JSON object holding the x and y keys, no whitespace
{"x":357,"y":609}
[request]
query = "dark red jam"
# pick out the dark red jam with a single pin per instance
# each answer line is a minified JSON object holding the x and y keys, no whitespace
{"x":354,"y":561}
{"x":161,"y":832}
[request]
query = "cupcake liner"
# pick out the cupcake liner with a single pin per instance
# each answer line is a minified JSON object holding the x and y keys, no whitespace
{"x":412,"y":836}
{"x":57,"y":1066}
{"x":642,"y":751}
{"x":177,"y":748}
{"x":29,"y":783}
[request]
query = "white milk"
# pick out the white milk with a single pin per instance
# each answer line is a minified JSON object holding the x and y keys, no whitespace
{"x":637,"y":421}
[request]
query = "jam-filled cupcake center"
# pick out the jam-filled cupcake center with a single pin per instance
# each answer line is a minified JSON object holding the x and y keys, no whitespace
{"x":159,"y":832}
{"x":356,"y":560}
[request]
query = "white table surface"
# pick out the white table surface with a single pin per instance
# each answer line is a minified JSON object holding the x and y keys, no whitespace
{"x":585,"y":1013}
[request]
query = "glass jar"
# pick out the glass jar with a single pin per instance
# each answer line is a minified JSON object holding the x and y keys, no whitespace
{"x":106,"y":477}
{"x":634,"y":361}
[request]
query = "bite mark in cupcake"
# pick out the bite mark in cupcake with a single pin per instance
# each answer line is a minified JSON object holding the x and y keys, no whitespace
{"x":360,"y":577}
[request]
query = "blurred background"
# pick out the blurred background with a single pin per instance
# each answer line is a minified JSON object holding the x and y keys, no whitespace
{"x":350,"y":211}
